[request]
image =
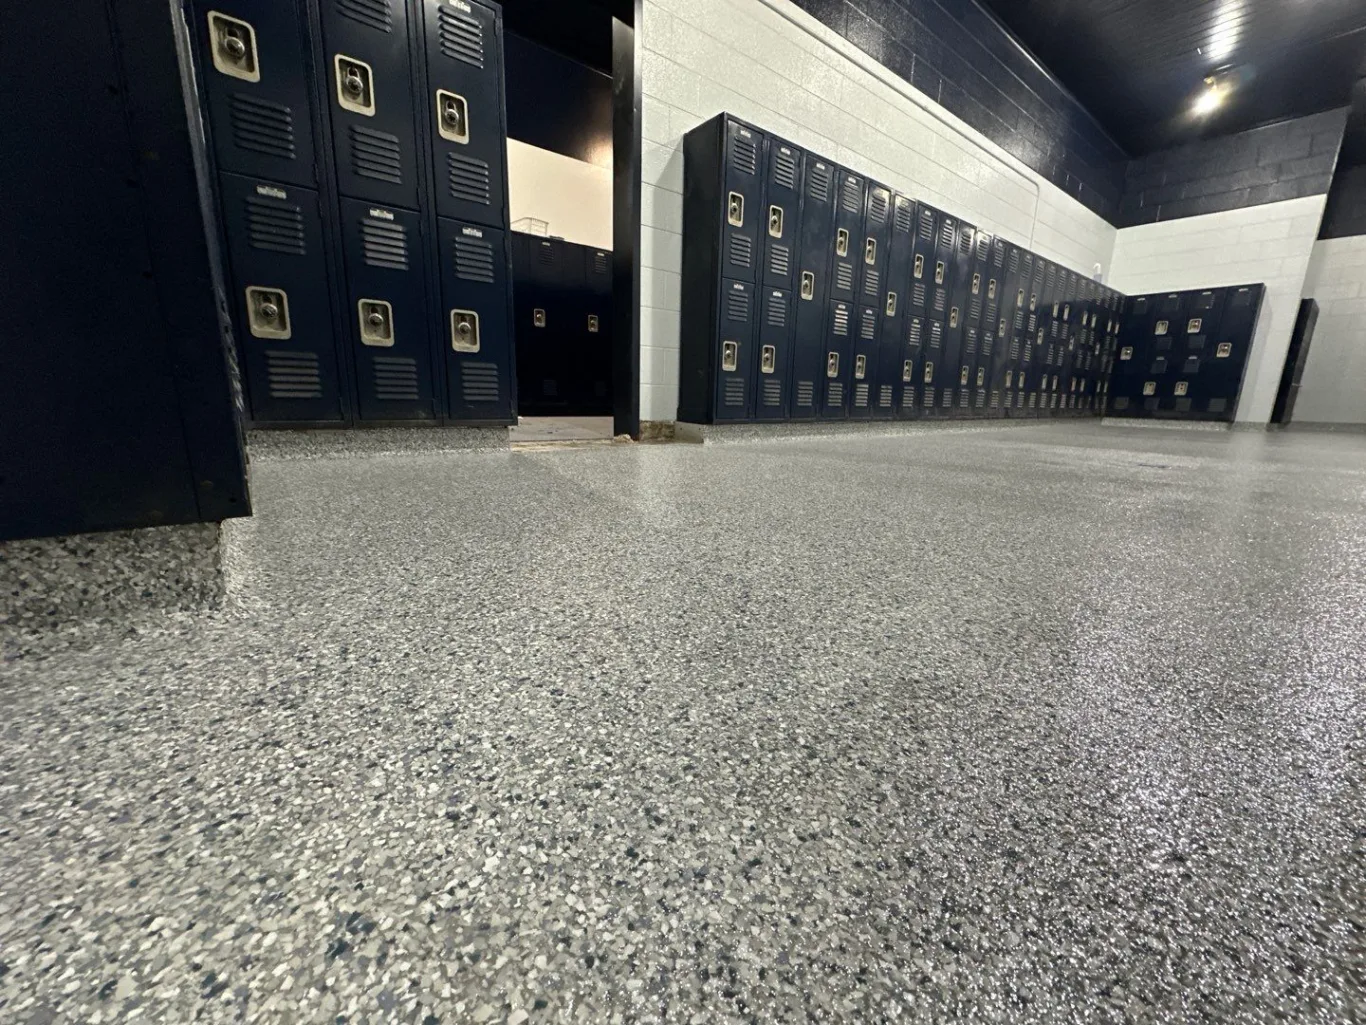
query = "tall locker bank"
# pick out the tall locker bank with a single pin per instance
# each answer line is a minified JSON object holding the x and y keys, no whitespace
{"x":357,"y":149}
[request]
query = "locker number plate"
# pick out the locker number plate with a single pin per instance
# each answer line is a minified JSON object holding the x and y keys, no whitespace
{"x":464,"y":331}
{"x":376,"y":322}
{"x":268,"y":312}
{"x":355,"y":85}
{"x":234,"y":47}
{"x":452,"y":116}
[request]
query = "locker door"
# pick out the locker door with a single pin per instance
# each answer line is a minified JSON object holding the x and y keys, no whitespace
{"x":912,"y":357}
{"x":996,"y":333}
{"x":864,"y":354}
{"x":839,"y":355}
{"x":741,"y":216}
{"x":773,"y":355}
{"x":1122,"y":389}
{"x":597,"y":270}
{"x":540,"y":327}
{"x":475,"y":333}
{"x":386,"y":307}
{"x":782,"y":205}
{"x":734,"y":398}
{"x":978,"y":329}
{"x":814,"y":253}
{"x":464,"y":102}
{"x":957,"y":364}
{"x":845,"y":274}
{"x":280,"y":301}
{"x":887,"y":400}
{"x":571,"y":332}
{"x":922,"y":258}
{"x":932,"y":371}
{"x":256,"y":88}
{"x":941,"y":267}
{"x":1232,"y":340}
{"x":368,"y":72}
{"x":874,"y":246}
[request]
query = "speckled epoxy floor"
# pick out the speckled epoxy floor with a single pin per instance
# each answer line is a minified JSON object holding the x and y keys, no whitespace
{"x":1061,"y":724}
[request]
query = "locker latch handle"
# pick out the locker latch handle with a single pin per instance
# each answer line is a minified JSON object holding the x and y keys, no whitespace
{"x":953,"y":317}
{"x":963,"y":375}
{"x":929,"y":373}
{"x":775,"y":221}
{"x":907,"y":371}
{"x":832,"y":364}
{"x":891,"y":304}
{"x":376,"y":322}
{"x":939,"y":272}
{"x":268,"y":312}
{"x":735,"y":210}
{"x":730,"y":356}
{"x":860,"y":367}
{"x":842,"y":242}
{"x":538,"y":317}
{"x":464,"y":331}
{"x":976,"y":284}
{"x":593,"y":323}
{"x":234,"y":47}
{"x":355,"y":85}
{"x":452,"y":116}
{"x":768,"y":359}
{"x":808,"y":285}
{"x":870,"y":251}
{"x":919,"y":271}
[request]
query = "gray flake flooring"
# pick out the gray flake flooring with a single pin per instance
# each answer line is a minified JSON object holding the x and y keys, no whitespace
{"x":1064,"y":724}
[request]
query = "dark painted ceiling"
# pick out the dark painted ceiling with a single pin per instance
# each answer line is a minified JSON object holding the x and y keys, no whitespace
{"x":579,"y":29}
{"x":1138,"y":65}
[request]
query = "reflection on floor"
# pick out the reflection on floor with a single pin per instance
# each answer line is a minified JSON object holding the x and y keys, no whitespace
{"x":539,"y":430}
{"x":1059,"y":724}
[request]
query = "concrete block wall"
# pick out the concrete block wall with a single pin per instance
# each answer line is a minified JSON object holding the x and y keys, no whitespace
{"x":1334,"y":386}
{"x":1271,"y":243}
{"x":771,"y":63}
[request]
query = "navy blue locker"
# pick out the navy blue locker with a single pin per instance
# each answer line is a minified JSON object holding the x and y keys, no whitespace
{"x":280,"y":301}
{"x":839,"y":357}
{"x":597,"y":322}
{"x":887,"y":399}
{"x":941,"y":267}
{"x":782,"y":202}
{"x":386,"y":307}
{"x":875,"y":241}
{"x":464,"y":43}
{"x":979,"y":328}
{"x":476,"y":334}
{"x":735,"y":358}
{"x":772,"y":355}
{"x":922,"y":258}
{"x":1233,"y":340}
{"x":912,"y":359}
{"x":256,"y":88}
{"x":995,"y":332}
{"x":845,"y":275}
{"x":930,"y":387}
{"x":742,"y":189}
{"x":814,"y":254}
{"x":954,"y":399}
{"x":865,"y":355}
{"x":369,"y":84}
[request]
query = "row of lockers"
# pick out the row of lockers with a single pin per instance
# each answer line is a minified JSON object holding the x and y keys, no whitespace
{"x":809,"y":291}
{"x":358,"y":148}
{"x":1183,"y":355}
{"x":562,"y":297}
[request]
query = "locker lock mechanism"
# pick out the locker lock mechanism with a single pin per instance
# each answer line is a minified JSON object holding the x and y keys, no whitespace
{"x":234,"y":47}
{"x":452,"y":116}
{"x":592,"y":323}
{"x":376,"y":323}
{"x":268,"y":312}
{"x":735,"y":210}
{"x":464,"y":331}
{"x":355,"y":85}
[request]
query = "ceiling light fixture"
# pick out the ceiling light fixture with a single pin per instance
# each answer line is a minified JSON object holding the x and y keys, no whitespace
{"x":1212,"y":96}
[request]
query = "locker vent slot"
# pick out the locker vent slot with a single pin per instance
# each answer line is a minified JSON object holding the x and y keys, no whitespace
{"x":737,"y":306}
{"x":963,"y":398}
{"x":293,"y":375}
{"x":877,"y":207}
{"x":479,"y":381}
{"x":834,"y":393}
{"x":947,"y":396}
{"x":396,"y":378}
{"x":861,"y":396}
{"x":869,"y":325}
{"x":785,"y":170}
{"x":872,"y":280}
{"x":936,"y":335}
{"x":851,"y":196}
{"x":818,"y":183}
{"x":741,"y":251}
{"x":779,"y":260}
{"x":734,"y":394}
{"x":599,"y":263}
{"x":1241,"y":298}
{"x":467,"y":179}
{"x":927,"y":225}
{"x":918,"y":294}
{"x":275,"y":225}
{"x":1014,"y":260}
{"x":1218,"y":405}
{"x":1150,"y":404}
{"x":884,"y":396}
{"x":374,"y":13}
{"x":773,"y":393}
{"x":844,"y":276}
{"x":940,"y":301}
{"x":916,"y":328}
{"x":386,"y":244}
{"x":995,"y":398}
{"x":927,"y":398}
{"x":1183,"y":405}
{"x":262,"y":126}
{"x":776,"y":315}
{"x":545,"y":254}
{"x":461,"y":36}
{"x":975,"y":309}
{"x":903,"y":217}
{"x":744,"y":154}
{"x":806,"y":393}
{"x":473,"y":260}
{"x":376,"y":155}
{"x":841,"y":321}
{"x":946,"y":234}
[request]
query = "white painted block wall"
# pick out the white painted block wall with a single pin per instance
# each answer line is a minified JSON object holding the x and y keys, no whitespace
{"x":1333,"y":389}
{"x":770,"y":63}
{"x":1270,"y":243}
{"x":573,"y":196}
